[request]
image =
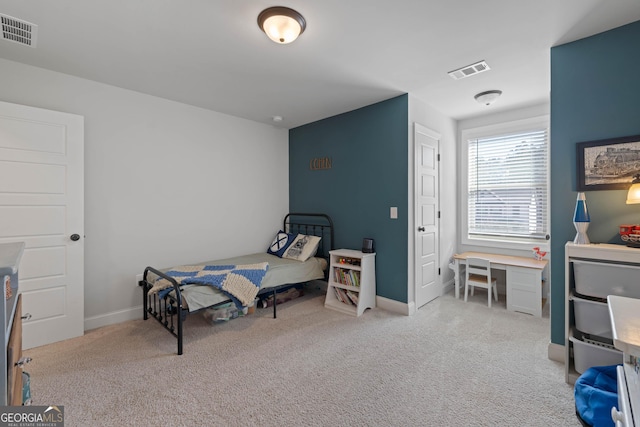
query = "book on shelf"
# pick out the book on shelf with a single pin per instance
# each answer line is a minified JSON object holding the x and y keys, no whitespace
{"x":347,"y":277}
{"x":353,"y":296}
{"x":343,"y":296}
{"x":355,"y":278}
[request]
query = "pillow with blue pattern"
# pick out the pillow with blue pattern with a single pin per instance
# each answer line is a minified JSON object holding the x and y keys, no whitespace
{"x":281,"y":243}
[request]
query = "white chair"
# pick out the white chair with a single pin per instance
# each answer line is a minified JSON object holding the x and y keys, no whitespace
{"x":478,"y":274}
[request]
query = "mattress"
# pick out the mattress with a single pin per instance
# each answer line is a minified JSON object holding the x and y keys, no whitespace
{"x":282,"y":271}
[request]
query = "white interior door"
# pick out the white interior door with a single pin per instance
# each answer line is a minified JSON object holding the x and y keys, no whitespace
{"x":427,"y":237}
{"x":42,"y":204}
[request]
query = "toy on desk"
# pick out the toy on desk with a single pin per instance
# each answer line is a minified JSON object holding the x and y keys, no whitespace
{"x":630,"y":234}
{"x":538,"y":254}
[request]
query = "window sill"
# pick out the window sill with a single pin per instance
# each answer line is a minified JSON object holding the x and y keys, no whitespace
{"x":503,"y":243}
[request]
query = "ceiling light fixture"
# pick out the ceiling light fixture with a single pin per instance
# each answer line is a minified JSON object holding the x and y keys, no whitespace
{"x":488,"y":97}
{"x":281,"y":24}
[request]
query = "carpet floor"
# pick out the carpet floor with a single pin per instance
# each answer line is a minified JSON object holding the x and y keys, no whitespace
{"x":452,"y":363}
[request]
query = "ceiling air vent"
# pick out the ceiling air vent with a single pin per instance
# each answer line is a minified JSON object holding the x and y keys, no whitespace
{"x":469,"y":70}
{"x":18,"y":31}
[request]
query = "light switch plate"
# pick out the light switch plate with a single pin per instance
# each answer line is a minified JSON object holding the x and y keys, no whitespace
{"x":393,"y":212}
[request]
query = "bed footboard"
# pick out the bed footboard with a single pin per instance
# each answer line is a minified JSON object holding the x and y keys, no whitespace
{"x":168,"y":311}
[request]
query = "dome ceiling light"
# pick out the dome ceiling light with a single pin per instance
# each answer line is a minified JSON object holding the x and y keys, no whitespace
{"x":488,"y":97}
{"x":281,"y":24}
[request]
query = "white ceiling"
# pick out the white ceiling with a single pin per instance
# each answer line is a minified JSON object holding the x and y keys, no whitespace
{"x":211,"y":53}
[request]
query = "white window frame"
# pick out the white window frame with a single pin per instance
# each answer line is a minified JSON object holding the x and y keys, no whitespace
{"x":539,"y":122}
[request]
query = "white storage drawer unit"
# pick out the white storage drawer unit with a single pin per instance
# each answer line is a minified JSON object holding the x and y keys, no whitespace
{"x":593,"y":272}
{"x":601,"y":279}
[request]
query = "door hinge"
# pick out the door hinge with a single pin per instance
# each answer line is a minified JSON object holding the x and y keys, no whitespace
{"x":438,"y":214}
{"x":438,"y":156}
{"x":438,"y":271}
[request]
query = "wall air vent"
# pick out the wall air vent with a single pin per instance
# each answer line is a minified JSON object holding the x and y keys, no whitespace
{"x":18,"y":31}
{"x":469,"y":70}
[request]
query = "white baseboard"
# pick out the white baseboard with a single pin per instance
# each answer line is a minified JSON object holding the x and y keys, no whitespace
{"x":556,"y":352}
{"x":112,"y":318}
{"x":448,"y":287}
{"x":395,"y":306}
{"x":135,"y":313}
{"x":408,"y":309}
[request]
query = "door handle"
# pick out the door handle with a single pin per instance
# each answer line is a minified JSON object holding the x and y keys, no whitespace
{"x":75,"y":237}
{"x":420,"y":228}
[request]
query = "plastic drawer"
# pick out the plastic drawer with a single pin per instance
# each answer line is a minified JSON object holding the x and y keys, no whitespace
{"x":600,"y":279}
{"x":592,"y":317}
{"x":586,"y":355}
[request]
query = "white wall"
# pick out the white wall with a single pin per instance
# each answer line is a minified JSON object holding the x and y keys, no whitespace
{"x":165,"y":183}
{"x":420,"y":112}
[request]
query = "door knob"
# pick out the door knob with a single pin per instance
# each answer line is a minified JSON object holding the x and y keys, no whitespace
{"x":75,"y":237}
{"x":420,"y":228}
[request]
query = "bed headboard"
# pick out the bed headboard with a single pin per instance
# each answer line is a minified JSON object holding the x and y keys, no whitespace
{"x":313,"y":224}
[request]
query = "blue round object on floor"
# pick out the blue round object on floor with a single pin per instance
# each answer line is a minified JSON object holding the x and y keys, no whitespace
{"x":596,"y":392}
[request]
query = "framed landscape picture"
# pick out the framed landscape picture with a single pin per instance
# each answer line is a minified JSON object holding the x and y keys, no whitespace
{"x":608,"y":164}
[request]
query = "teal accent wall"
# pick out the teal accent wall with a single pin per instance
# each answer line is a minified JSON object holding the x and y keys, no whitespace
{"x":368,"y":148}
{"x":595,"y":94}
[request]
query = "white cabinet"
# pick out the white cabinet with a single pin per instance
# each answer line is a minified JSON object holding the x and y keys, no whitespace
{"x":11,"y":315}
{"x":351,"y":287}
{"x":625,"y":322}
{"x":592,"y":273}
{"x":524,"y":290}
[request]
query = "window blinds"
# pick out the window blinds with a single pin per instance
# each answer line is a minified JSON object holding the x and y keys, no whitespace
{"x":508,"y":191}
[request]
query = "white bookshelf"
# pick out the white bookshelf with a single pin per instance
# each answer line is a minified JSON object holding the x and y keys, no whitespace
{"x":351,"y":288}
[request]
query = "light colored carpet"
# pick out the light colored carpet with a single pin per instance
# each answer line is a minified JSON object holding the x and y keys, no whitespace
{"x":451,"y":364}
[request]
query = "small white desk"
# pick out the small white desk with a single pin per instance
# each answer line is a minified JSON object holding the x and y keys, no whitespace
{"x":524,"y":279}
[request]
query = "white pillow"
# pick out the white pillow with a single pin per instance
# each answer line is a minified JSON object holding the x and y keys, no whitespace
{"x":302,"y":248}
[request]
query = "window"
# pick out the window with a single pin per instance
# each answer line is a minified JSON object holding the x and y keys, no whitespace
{"x":507,"y":182}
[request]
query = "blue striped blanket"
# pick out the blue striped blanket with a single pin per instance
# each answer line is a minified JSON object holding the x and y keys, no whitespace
{"x":240,"y":282}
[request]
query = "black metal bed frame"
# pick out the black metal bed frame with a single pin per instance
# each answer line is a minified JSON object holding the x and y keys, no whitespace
{"x":169,"y":310}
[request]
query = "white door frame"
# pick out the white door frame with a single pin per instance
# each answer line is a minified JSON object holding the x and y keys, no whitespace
{"x":42,"y":204}
{"x":418,"y":128}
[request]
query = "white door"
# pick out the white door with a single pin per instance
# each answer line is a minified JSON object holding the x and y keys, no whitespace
{"x":42,"y":204}
{"x":426,"y":144}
